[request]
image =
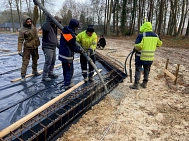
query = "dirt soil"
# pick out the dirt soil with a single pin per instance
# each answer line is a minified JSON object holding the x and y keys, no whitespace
{"x":158,"y":113}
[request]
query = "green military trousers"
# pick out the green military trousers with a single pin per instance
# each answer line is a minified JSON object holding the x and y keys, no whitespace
{"x":26,"y":58}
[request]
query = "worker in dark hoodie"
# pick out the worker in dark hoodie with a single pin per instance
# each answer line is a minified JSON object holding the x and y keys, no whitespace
{"x":49,"y":45}
{"x":69,"y":45}
{"x":28,"y":37}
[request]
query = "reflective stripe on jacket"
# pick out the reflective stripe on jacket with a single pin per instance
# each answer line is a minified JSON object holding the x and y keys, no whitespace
{"x":147,"y":42}
{"x":68,"y":45}
{"x":87,"y":42}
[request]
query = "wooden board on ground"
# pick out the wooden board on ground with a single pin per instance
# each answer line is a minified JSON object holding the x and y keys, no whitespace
{"x":20,"y":122}
{"x":169,"y":74}
{"x":30,"y":75}
{"x":9,"y":54}
{"x":4,"y":50}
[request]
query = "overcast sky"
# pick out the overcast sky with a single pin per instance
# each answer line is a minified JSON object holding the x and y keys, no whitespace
{"x":58,"y":4}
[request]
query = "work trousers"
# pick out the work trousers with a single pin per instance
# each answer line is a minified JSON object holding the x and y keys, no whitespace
{"x":84,"y":64}
{"x":68,"y":71}
{"x":100,"y":45}
{"x":26,"y":58}
{"x":138,"y":70}
{"x":50,"y":58}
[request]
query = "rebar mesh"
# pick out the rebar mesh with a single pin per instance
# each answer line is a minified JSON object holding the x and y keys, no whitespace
{"x":58,"y":116}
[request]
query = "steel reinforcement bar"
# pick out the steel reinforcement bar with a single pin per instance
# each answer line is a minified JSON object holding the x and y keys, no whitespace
{"x":56,"y":118}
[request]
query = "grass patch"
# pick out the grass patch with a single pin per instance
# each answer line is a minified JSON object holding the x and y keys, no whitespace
{"x":168,"y":41}
{"x":176,"y":42}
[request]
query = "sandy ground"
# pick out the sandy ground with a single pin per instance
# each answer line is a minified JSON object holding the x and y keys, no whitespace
{"x":158,"y":113}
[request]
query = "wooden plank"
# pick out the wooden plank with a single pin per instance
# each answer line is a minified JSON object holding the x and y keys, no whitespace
{"x":176,"y":74}
{"x":18,"y":123}
{"x":169,"y":74}
{"x":166,"y":66}
{"x":4,"y":50}
{"x":9,"y":54}
{"x":41,"y":71}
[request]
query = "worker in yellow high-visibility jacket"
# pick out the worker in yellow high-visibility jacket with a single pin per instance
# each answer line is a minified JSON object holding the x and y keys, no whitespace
{"x":145,"y":47}
{"x":88,"y":40}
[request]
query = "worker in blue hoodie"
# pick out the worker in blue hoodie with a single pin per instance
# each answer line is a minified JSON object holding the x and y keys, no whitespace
{"x":68,"y":46}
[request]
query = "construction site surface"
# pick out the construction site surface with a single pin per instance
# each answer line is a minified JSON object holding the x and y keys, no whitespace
{"x":159,"y":112}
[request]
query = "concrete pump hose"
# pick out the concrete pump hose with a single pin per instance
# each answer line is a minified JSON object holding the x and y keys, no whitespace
{"x":36,"y":2}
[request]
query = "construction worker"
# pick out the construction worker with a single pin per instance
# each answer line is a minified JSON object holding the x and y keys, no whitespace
{"x":88,"y":40}
{"x":145,"y":47}
{"x":68,"y":46}
{"x":101,"y":42}
{"x":28,"y":37}
{"x":49,"y":45}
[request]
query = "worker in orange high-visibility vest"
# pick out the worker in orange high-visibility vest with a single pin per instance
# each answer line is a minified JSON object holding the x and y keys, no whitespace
{"x":68,"y":46}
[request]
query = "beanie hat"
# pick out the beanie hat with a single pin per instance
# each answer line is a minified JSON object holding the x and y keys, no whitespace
{"x":74,"y":23}
{"x":90,"y":28}
{"x":57,"y":18}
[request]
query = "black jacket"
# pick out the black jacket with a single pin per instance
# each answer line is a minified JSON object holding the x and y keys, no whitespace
{"x":49,"y":39}
{"x":102,"y":41}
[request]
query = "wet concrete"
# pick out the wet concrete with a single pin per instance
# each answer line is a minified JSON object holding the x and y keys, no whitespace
{"x":18,"y":99}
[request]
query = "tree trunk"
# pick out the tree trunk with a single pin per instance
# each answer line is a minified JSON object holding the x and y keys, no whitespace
{"x":150,"y":13}
{"x":123,"y":17}
{"x":12,"y":19}
{"x":160,"y":21}
{"x":187,"y":29}
{"x":105,"y":18}
{"x":28,"y":7}
{"x":175,"y":9}
{"x":132,"y":25}
{"x":139,"y":15}
{"x":109,"y":17}
{"x":186,"y":12}
{"x":182,"y":18}
{"x":117,"y":17}
{"x":18,"y":11}
{"x":165,"y":19}
{"x":114,"y":15}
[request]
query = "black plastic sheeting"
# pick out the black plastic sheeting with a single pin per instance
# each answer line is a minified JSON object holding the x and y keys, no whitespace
{"x":17,"y":99}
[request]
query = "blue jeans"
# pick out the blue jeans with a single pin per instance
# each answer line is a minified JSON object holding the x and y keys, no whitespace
{"x":50,"y":58}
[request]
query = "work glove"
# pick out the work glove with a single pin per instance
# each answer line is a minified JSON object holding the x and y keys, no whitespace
{"x":134,"y":50}
{"x":90,"y":51}
{"x":48,"y":19}
{"x":58,"y":45}
{"x":82,"y":51}
{"x":20,"y":53}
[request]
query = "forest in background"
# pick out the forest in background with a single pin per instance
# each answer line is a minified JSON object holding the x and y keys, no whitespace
{"x":112,"y":17}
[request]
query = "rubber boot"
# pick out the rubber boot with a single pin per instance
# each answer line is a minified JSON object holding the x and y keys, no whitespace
{"x":86,"y":79}
{"x":143,"y":84}
{"x":46,"y":79}
{"x":23,"y":78}
{"x":53,"y":76}
{"x":134,"y":86}
{"x":69,"y":86}
{"x":36,"y":73}
{"x":91,"y":79}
